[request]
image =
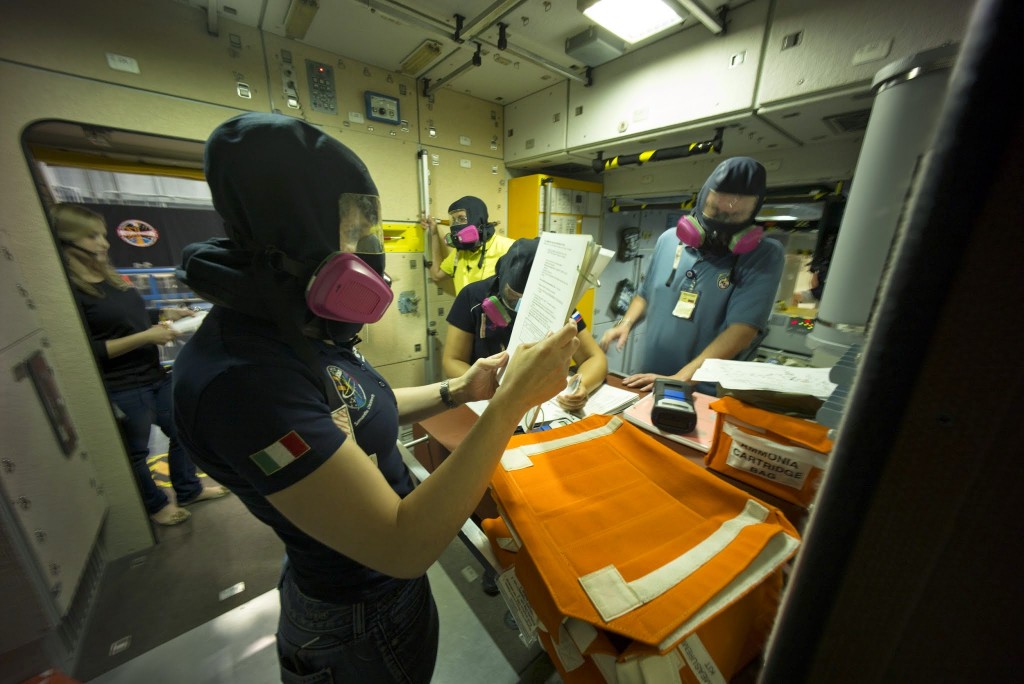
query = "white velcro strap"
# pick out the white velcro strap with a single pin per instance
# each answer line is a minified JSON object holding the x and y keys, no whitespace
{"x":582,"y":633}
{"x":700,"y":661}
{"x":511,"y":528}
{"x":780,"y":547}
{"x":606,"y":666}
{"x":565,"y":648}
{"x":508,"y":544}
{"x":519,"y":457}
{"x":614,"y":597}
{"x":515,"y":459}
{"x":664,"y":668}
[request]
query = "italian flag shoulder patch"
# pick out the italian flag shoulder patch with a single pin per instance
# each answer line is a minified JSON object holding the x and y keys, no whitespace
{"x":280,"y":453}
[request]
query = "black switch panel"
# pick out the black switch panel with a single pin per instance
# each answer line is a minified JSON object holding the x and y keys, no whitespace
{"x":322,"y":95}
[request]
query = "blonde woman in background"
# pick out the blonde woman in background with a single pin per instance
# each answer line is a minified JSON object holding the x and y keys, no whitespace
{"x":124,"y":336}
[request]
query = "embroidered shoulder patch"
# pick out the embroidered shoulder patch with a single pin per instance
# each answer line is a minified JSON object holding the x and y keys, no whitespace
{"x":343,"y":420}
{"x":280,"y":453}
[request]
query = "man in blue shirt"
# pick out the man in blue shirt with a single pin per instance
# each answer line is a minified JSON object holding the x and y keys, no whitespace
{"x":711,"y":282}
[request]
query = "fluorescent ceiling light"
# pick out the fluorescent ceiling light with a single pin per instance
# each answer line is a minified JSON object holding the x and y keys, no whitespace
{"x":300,"y":16}
{"x":631,"y":20}
{"x":418,"y":59}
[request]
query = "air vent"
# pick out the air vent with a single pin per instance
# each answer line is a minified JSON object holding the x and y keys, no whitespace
{"x":849,"y":122}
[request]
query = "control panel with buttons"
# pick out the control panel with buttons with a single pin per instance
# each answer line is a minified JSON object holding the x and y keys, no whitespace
{"x":322,"y":94}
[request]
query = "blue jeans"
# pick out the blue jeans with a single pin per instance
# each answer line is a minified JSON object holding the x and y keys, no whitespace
{"x":392,"y":638}
{"x":143,"y":407}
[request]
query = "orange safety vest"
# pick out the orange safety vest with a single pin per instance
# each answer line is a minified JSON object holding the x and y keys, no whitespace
{"x":639,"y":565}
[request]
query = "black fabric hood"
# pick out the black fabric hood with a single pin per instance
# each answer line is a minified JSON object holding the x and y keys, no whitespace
{"x":476,"y":213}
{"x":513,"y":268}
{"x":737,"y":176}
{"x":276,"y":182}
{"x":222,"y":273}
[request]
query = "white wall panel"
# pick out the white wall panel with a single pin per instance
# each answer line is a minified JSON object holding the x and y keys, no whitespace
{"x":168,"y":41}
{"x":535,"y":126}
{"x":463,"y":123}
{"x":844,"y":43}
{"x":400,"y":336}
{"x":685,"y":78}
{"x":456,"y":173}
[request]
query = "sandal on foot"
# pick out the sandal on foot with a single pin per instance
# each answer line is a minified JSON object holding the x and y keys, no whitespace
{"x":207,"y":494}
{"x":170,"y":515}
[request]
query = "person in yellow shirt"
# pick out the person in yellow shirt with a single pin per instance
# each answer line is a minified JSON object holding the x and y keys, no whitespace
{"x":471,"y":248}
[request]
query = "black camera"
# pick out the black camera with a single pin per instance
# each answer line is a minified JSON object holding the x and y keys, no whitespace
{"x":673,"y":407}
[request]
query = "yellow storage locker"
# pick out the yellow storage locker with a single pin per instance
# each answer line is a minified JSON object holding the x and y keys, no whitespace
{"x":575,"y":207}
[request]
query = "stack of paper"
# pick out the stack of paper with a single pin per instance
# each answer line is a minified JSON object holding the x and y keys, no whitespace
{"x":606,"y":400}
{"x":790,"y":390}
{"x":754,"y":375}
{"x":564,"y":268}
{"x":188,"y":324}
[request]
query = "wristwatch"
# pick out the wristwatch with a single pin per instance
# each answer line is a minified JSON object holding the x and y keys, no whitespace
{"x":446,"y":395}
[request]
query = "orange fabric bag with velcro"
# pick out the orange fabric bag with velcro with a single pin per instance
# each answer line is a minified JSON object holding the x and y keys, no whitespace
{"x":634,"y":558}
{"x":778,"y":454}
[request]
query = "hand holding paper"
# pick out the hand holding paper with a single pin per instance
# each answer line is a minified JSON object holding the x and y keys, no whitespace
{"x":537,"y":372}
{"x":480,"y":382}
{"x":574,"y":397}
{"x":564,"y":267}
{"x":188,"y":323}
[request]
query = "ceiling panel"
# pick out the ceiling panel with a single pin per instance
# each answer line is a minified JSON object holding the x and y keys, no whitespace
{"x":384,"y":32}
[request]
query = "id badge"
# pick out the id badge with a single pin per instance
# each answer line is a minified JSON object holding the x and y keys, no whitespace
{"x":686,"y":304}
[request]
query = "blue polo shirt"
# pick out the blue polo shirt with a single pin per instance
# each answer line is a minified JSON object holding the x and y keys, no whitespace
{"x":731,"y":289}
{"x":250,"y":414}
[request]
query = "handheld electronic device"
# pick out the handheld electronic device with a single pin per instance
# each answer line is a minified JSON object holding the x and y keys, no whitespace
{"x":673,"y":408}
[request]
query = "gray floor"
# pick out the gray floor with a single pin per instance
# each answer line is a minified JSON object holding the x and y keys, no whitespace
{"x":172,"y":614}
{"x":238,"y":646}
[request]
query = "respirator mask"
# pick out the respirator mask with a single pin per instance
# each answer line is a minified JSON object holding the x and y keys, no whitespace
{"x":723,"y":225}
{"x":349,"y":285}
{"x":463,"y":235}
{"x":501,"y":309}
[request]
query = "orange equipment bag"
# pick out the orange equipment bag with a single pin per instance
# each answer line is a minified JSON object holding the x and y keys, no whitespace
{"x":638,"y":565}
{"x":778,"y":454}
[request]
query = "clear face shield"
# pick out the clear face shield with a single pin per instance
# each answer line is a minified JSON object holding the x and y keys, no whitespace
{"x":510,"y":298}
{"x":360,"y":230}
{"x":737,"y":210}
{"x":349,"y":285}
